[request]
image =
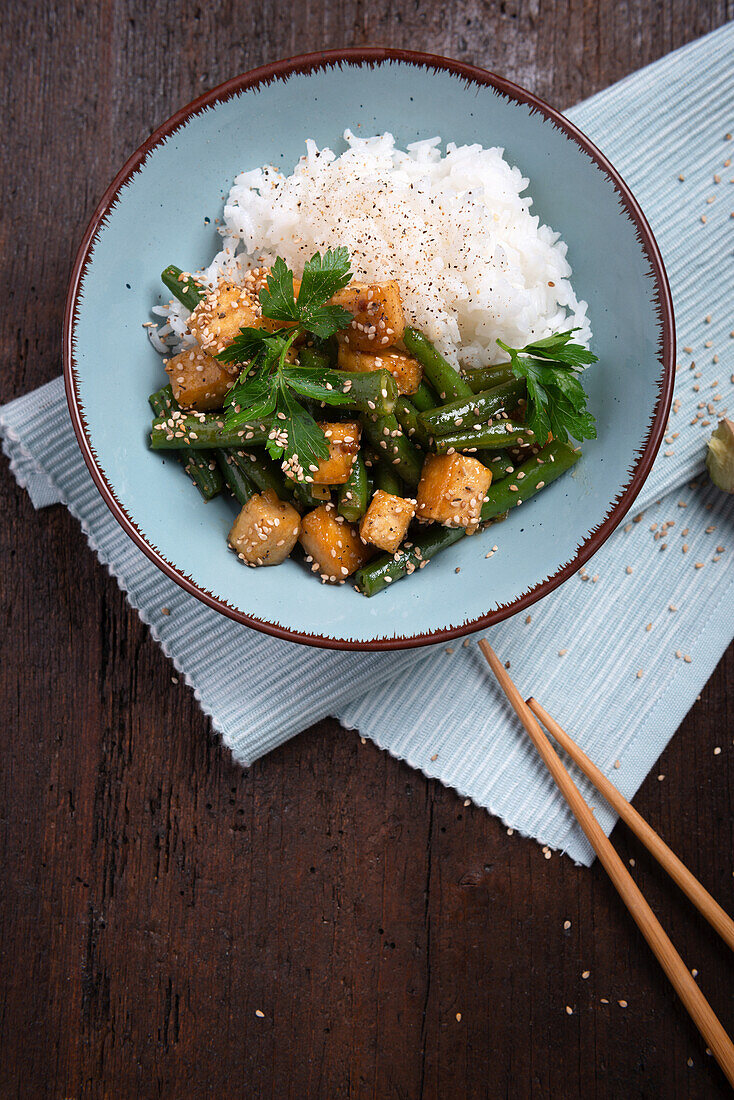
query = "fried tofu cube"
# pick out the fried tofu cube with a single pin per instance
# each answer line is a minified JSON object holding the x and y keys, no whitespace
{"x":343,"y":440}
{"x":378,"y":315}
{"x":219,"y":316}
{"x":406,"y":370}
{"x":333,"y":546}
{"x":198,"y":381}
{"x":266,"y":530}
{"x":386,"y":521}
{"x":452,"y":490}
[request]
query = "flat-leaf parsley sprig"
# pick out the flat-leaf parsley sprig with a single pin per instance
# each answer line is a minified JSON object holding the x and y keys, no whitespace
{"x":267,"y":388}
{"x":556,"y":398}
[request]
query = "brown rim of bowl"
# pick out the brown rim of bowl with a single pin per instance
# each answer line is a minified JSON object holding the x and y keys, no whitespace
{"x":306,"y":63}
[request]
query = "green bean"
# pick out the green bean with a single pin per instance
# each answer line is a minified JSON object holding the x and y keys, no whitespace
{"x":330,"y":348}
{"x":183,"y":287}
{"x":199,"y":465}
{"x":362,"y":391}
{"x":476,"y":410}
{"x":552,"y":461}
{"x":447,"y":382}
{"x":370,"y":391}
{"x":424,"y":397}
{"x":203,"y":471}
{"x":238,"y":484}
{"x":384,"y":434}
{"x":379,"y":573}
{"x":384,"y":474}
{"x":354,"y":493}
{"x":500,"y":463}
{"x":263,"y":473}
{"x":179,"y":431}
{"x":303,"y":494}
{"x":498,"y":436}
{"x":311,"y":357}
{"x":484,"y":378}
{"x":411,"y":423}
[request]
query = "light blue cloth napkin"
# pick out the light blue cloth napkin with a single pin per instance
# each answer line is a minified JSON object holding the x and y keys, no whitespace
{"x":600,"y":652}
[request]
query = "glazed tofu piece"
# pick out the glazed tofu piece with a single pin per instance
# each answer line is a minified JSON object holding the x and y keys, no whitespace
{"x":343,"y":440}
{"x":378,"y":315}
{"x":386,"y":521}
{"x":219,"y":317}
{"x":333,"y":547}
{"x":452,"y":490}
{"x":406,"y":371}
{"x":266,"y":530}
{"x":198,"y":381}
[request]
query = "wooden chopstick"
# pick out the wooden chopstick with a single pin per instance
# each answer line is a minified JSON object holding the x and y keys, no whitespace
{"x":676,"y":970}
{"x":707,"y":906}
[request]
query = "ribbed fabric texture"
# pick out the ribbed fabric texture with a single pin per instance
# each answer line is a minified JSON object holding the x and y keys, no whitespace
{"x":586,"y":653}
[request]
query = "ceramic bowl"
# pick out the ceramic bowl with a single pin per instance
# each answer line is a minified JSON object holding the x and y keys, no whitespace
{"x":161,"y":209}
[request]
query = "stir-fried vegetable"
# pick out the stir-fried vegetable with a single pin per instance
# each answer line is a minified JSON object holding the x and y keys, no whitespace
{"x":411,"y":455}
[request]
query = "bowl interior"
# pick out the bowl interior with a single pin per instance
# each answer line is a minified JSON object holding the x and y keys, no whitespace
{"x":165,"y":213}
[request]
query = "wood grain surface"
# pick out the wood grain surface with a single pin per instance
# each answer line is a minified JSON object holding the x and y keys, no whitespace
{"x":328,"y":923}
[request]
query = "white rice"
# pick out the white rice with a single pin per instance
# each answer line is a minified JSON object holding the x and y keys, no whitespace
{"x":455,"y":230}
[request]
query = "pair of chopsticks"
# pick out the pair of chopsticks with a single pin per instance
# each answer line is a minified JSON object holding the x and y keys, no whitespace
{"x":676,"y":970}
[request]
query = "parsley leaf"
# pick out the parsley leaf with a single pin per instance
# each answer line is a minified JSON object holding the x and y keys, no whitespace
{"x":560,"y":349}
{"x":556,"y":398}
{"x":245,"y":346}
{"x":324,"y":321}
{"x":254,"y":397}
{"x":316,"y":384}
{"x":276,"y":297}
{"x":296,"y":437}
{"x":322,"y":278}
{"x":266,"y":389}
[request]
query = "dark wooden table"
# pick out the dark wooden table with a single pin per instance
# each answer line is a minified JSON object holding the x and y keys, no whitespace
{"x":173,"y":926}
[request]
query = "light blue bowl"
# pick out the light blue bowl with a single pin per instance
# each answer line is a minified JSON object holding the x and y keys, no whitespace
{"x":154,"y":214}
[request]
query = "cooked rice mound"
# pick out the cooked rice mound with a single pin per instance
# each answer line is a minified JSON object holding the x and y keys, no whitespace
{"x":455,"y":230}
